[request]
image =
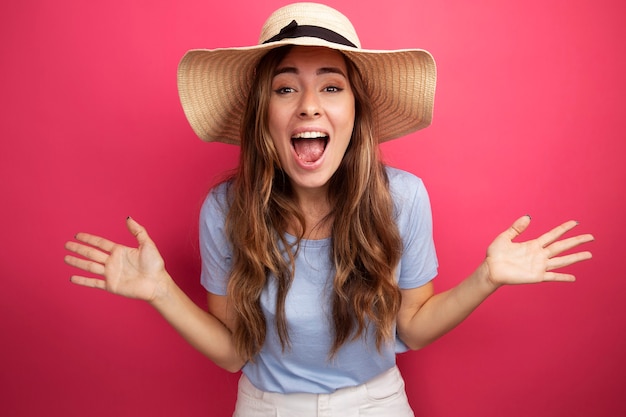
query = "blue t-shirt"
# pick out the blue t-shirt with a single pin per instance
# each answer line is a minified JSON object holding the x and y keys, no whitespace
{"x":306,"y":367}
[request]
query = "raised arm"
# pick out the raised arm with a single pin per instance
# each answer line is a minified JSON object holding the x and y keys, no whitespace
{"x":425,"y":316}
{"x":140,"y":273}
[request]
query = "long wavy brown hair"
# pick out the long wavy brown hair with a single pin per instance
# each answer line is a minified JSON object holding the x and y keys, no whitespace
{"x":366,"y":244}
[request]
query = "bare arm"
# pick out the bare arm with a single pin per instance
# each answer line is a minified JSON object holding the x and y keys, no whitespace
{"x":424,"y":316}
{"x":140,"y":273}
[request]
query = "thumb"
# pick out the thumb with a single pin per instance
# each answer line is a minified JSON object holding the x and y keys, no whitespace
{"x":138,"y":231}
{"x":518,"y":227}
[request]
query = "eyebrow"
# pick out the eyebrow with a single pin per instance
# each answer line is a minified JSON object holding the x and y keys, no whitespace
{"x":320,"y":71}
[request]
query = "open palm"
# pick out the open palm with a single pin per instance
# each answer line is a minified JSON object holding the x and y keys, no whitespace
{"x":130,"y":272}
{"x":534,"y":260}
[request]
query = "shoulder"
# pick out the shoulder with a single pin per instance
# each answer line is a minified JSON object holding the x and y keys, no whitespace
{"x":217,"y":200}
{"x":410,"y":198}
{"x":404,"y":184}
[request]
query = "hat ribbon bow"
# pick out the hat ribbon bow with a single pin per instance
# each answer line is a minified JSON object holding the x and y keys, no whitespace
{"x":293,"y":30}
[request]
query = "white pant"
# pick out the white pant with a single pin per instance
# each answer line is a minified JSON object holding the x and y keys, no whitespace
{"x":382,"y":396}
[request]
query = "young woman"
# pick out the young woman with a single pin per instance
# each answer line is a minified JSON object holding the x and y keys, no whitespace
{"x":317,"y":258}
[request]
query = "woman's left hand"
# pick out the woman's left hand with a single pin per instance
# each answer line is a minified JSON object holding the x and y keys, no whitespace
{"x":535,"y":260}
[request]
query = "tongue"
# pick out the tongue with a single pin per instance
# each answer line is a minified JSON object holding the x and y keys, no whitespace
{"x":309,"y":150}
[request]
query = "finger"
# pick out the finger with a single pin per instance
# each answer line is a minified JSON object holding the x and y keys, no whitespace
{"x":517,"y":228}
{"x":563,"y":261}
{"x":88,"y":282}
{"x":87,"y":252}
{"x":96,"y":241}
{"x":560,"y":277}
{"x":556,"y":233}
{"x":84,"y":264}
{"x":567,"y":244}
{"x":138,"y":231}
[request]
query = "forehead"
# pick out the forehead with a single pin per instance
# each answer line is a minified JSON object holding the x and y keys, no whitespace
{"x":313,"y":56}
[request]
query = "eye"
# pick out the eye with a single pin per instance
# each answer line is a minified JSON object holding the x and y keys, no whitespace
{"x":284,"y":90}
{"x":333,"y":89}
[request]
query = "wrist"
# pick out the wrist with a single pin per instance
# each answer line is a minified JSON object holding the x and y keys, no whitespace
{"x":162,"y":290}
{"x":485,"y":275}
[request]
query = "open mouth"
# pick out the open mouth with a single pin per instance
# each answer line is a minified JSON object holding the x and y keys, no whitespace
{"x":309,"y":146}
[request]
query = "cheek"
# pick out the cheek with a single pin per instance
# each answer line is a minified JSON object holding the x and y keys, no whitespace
{"x":276,"y":118}
{"x":281,"y":147}
{"x":346,"y":122}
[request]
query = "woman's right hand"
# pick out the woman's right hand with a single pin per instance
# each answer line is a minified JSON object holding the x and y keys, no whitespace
{"x":140,"y":273}
{"x":131,"y":272}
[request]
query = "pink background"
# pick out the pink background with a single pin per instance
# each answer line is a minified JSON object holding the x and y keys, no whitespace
{"x":528,"y":119}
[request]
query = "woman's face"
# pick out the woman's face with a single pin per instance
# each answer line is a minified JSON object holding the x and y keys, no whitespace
{"x":311,"y":115}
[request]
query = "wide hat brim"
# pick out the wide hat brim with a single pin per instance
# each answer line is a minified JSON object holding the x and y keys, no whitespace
{"x":214,"y":85}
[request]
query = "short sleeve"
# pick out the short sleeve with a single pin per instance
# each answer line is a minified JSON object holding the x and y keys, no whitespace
{"x":418,"y":264}
{"x":215,"y":249}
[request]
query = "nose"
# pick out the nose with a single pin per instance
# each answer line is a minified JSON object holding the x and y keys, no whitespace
{"x":310,"y":105}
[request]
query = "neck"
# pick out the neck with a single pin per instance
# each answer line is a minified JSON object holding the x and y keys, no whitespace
{"x":315,"y":210}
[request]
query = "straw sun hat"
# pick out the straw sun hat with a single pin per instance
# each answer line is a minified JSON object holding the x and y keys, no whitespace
{"x":213,"y":84}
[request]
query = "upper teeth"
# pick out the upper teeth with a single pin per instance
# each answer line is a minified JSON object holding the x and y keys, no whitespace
{"x":309,"y":135}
